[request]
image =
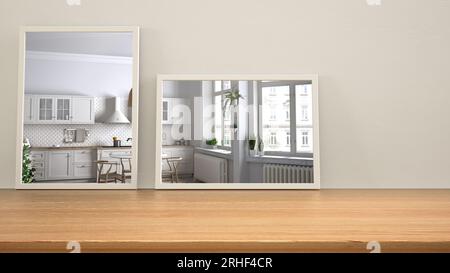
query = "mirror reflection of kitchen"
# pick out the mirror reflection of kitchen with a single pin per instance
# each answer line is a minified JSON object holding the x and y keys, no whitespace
{"x":237,"y":131}
{"x":77,"y":108}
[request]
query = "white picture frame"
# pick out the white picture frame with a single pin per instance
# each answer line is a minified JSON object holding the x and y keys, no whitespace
{"x":20,"y":105}
{"x":314,"y":78}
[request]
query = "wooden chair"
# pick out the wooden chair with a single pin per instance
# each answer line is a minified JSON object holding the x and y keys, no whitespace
{"x":106,"y":173}
{"x":172,"y":173}
{"x":126,"y":172}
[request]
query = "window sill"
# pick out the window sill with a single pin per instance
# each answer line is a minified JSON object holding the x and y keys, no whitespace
{"x":215,"y":152}
{"x":267,"y":159}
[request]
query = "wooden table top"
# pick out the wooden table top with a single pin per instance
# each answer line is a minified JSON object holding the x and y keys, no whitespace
{"x":224,"y":221}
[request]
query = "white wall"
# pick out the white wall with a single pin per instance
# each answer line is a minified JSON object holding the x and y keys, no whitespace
{"x":384,"y":73}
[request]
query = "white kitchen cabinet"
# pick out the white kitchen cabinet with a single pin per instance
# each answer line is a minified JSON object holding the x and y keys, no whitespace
{"x":180,"y":111}
{"x":83,"y":110}
{"x":38,"y":162}
{"x":176,"y":111}
{"x":45,"y":112}
{"x":84,"y":164}
{"x":64,"y":164}
{"x":58,"y":110}
{"x":60,"y":165}
{"x":28,"y":110}
{"x":166,"y":111}
{"x":63,"y":110}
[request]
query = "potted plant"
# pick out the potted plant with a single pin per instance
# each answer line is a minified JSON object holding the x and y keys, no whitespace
{"x":252,"y":146}
{"x":27,"y":169}
{"x":212,"y":143}
{"x":232,"y":100}
{"x":261,"y":147}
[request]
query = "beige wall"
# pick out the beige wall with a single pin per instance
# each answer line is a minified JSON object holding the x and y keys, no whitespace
{"x":384,"y":72}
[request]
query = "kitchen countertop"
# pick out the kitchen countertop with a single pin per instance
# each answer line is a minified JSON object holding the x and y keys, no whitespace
{"x":79,"y":148}
{"x":177,"y":146}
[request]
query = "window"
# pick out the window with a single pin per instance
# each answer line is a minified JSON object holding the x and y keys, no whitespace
{"x":303,"y":97}
{"x":305,"y":112}
{"x":273,"y":115}
{"x":273,"y":138}
{"x":305,"y":137}
{"x":303,"y":90}
{"x":275,"y":101}
{"x":222,"y":117}
{"x":285,"y":123}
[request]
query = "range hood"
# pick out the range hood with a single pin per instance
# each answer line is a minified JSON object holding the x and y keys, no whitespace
{"x":117,"y":116}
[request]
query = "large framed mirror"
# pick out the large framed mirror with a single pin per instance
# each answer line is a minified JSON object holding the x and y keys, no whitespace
{"x":78,"y":103}
{"x":237,"y":132}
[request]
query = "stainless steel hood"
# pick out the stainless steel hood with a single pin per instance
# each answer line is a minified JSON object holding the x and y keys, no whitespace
{"x":117,"y":116}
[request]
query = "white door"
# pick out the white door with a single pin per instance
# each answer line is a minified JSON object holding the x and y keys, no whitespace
{"x":63,"y":109}
{"x":28,"y":109}
{"x":59,"y":164}
{"x":45,"y":113}
{"x":83,"y":110}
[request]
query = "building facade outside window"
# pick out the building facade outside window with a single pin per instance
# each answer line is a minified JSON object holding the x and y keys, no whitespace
{"x":286,"y":111}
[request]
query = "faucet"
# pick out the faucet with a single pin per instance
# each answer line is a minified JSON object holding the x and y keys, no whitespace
{"x":129,"y":139}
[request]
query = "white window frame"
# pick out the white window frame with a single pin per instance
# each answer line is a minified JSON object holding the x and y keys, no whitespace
{"x":293,"y":117}
{"x":221,"y":93}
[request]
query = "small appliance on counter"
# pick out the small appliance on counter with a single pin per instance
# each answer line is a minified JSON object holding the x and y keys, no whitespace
{"x":117,"y":142}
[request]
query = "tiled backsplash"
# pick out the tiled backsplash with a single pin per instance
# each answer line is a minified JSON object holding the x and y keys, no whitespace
{"x":101,"y":134}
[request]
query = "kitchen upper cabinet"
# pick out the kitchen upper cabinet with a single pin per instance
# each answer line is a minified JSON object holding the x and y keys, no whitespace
{"x":63,"y":109}
{"x":83,"y":110}
{"x":58,"y":110}
{"x":28,"y":110}
{"x":181,"y":112}
{"x":166,"y":109}
{"x":175,"y":111}
{"x":45,"y":109}
{"x":60,"y":165}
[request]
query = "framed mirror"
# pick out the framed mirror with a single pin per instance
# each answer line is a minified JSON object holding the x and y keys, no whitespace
{"x":237,"y":132}
{"x":78,"y":108}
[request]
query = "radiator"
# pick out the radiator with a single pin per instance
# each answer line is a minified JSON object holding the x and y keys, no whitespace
{"x":277,"y":173}
{"x":210,"y":169}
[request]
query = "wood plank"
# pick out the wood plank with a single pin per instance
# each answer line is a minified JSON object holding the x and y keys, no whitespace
{"x":225,"y":221}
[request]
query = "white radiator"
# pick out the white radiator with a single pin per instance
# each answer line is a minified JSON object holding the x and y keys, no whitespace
{"x":277,"y":173}
{"x":210,"y":169}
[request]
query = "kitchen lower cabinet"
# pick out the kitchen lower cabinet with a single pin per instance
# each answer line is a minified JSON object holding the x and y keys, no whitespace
{"x":84,"y":165}
{"x":63,"y":165}
{"x":38,"y":162}
{"x":60,"y":165}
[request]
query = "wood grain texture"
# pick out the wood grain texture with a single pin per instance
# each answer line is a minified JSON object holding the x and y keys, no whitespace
{"x":225,"y":221}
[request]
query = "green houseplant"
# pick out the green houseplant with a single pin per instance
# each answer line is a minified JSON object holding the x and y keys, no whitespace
{"x":212,"y":142}
{"x":232,"y":98}
{"x":252,"y":146}
{"x":27,"y":169}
